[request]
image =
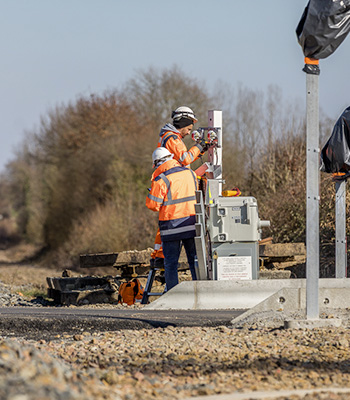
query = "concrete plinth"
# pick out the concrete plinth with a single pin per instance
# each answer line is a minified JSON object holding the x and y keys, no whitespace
{"x":255,"y":295}
{"x":313,"y":323}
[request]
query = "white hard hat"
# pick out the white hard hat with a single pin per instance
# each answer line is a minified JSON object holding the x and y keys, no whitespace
{"x":161,"y":154}
{"x":183,"y":112}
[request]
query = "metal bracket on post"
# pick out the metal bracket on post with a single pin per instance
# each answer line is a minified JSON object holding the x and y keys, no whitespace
{"x":340,"y":230}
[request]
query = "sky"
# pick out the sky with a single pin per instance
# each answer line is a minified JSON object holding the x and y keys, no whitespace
{"x":53,"y":51}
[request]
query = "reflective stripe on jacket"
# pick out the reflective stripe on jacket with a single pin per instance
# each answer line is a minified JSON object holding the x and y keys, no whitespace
{"x":171,"y":139}
{"x":173,"y":195}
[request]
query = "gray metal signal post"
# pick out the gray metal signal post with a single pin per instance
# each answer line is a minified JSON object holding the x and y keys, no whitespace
{"x":312,"y":195}
{"x":322,"y":28}
{"x":340,"y":230}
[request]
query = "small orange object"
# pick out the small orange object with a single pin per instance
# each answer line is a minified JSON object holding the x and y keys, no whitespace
{"x":129,"y":292}
{"x":231,"y":193}
{"x":338,"y":174}
{"x":267,"y":240}
{"x":311,"y":61}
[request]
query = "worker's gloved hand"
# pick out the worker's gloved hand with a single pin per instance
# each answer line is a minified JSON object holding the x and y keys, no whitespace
{"x":205,"y":146}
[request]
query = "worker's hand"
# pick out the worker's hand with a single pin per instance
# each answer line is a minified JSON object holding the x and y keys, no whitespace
{"x":205,"y":146}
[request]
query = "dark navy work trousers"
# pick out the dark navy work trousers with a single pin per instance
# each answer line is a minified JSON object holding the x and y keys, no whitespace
{"x":171,"y":251}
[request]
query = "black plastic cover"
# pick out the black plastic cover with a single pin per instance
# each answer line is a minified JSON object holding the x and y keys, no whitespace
{"x":312,"y":69}
{"x":323,"y":27}
{"x":335,"y":155}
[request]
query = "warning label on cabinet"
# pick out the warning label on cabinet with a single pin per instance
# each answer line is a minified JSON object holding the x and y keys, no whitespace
{"x":234,"y":268}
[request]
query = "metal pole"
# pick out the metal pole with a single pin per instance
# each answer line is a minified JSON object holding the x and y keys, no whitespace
{"x":215,"y":121}
{"x":340,"y":230}
{"x":312,"y":196}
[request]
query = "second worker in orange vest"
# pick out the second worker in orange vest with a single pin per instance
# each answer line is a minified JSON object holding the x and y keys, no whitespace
{"x":173,"y":195}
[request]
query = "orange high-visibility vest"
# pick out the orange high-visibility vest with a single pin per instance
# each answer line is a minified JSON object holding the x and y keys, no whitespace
{"x":157,"y":248}
{"x":174,"y":143}
{"x":173,"y":196}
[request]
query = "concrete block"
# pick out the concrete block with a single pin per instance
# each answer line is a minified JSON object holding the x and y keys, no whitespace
{"x":282,"y":249}
{"x":313,"y":323}
{"x":291,"y":299}
{"x":274,"y":274}
{"x":134,"y":257}
{"x":246,"y":294}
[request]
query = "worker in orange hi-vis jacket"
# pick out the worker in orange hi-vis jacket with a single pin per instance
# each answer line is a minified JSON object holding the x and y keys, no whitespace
{"x":171,"y":137}
{"x":172,"y":194}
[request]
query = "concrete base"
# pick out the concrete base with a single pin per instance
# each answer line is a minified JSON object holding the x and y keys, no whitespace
{"x":274,"y":394}
{"x":331,"y":296}
{"x":313,"y":323}
{"x":269,"y":294}
{"x":275,"y":274}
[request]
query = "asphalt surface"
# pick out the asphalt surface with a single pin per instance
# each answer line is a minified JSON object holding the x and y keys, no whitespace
{"x":53,"y":321}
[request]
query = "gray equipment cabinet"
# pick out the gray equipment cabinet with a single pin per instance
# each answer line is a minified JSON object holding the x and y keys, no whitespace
{"x":228,"y":234}
{"x":234,"y":232}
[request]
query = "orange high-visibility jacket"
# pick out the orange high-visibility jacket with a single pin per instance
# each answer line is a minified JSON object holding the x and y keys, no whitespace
{"x":157,"y":248}
{"x":171,"y":139}
{"x":173,"y":195}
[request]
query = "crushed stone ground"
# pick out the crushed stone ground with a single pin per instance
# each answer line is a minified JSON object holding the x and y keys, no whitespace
{"x":256,"y":354}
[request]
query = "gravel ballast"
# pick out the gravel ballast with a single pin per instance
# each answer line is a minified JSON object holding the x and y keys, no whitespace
{"x":256,"y":354}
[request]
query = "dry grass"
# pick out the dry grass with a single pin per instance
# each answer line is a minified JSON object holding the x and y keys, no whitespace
{"x":16,"y":271}
{"x":23,"y":274}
